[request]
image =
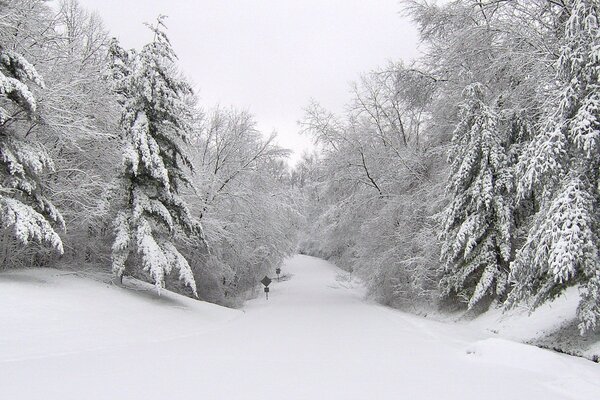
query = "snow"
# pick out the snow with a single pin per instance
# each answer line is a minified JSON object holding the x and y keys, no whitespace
{"x":27,"y":224}
{"x":48,"y":313}
{"x":522,"y":325}
{"x":69,"y":337}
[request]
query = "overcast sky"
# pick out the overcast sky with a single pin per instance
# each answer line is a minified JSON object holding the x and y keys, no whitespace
{"x":270,"y":56}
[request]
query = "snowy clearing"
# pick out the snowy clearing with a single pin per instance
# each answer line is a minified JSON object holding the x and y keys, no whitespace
{"x":66,"y":337}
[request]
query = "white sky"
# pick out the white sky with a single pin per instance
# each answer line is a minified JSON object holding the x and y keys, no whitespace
{"x":270,"y":56}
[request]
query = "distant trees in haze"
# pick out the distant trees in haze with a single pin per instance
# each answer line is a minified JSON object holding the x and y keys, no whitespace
{"x":250,"y":216}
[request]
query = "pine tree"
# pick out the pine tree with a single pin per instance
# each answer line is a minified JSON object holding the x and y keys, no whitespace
{"x":24,"y":211}
{"x":155,"y":122}
{"x":561,"y":171}
{"x":477,"y":224}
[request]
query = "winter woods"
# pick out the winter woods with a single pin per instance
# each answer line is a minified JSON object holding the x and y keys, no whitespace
{"x":508,"y":92}
{"x":560,"y":168}
{"x":108,"y":160}
{"x":465,"y":179}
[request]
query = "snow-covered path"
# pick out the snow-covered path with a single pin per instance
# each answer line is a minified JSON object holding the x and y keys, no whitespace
{"x":315,"y":338}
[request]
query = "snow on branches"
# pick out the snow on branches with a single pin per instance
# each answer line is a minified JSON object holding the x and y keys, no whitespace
{"x":477,"y":224}
{"x":561,"y":169}
{"x":23,"y":209}
{"x":562,"y":243}
{"x":14,"y":71}
{"x":155,"y":119}
{"x":27,"y":224}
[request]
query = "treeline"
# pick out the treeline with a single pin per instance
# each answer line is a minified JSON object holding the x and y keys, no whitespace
{"x":106,"y":159}
{"x":472,"y":176}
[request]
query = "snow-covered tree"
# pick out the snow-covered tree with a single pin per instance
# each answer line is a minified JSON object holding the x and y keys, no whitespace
{"x":24,"y":211}
{"x":155,"y":123}
{"x":477,"y":224}
{"x":560,"y":170}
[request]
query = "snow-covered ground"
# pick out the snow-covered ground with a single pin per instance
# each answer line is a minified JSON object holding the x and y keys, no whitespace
{"x":67,"y":337}
{"x":553,"y":325}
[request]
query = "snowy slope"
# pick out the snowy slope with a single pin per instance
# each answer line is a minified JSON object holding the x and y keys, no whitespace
{"x":47,"y":313}
{"x":64,"y":337}
{"x":552,"y":325}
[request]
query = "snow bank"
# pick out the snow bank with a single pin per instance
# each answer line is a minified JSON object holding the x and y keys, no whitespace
{"x":48,"y":312}
{"x":566,"y":375}
{"x":553,"y":325}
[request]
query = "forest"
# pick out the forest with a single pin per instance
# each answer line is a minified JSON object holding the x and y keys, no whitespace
{"x":465,"y":180}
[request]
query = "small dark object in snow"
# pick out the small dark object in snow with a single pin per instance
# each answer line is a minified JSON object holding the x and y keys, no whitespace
{"x":266,"y":281}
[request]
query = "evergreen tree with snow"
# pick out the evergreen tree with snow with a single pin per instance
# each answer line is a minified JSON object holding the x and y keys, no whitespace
{"x":155,"y":123}
{"x":477,"y":224}
{"x":560,"y":170}
{"x":25,"y":212}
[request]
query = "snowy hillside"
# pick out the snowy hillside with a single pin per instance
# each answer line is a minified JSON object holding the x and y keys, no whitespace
{"x":68,"y":337}
{"x":50,"y":313}
{"x":553,"y":325}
